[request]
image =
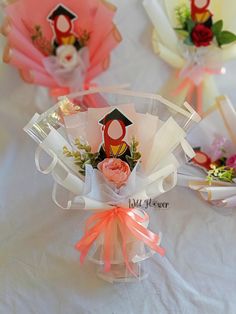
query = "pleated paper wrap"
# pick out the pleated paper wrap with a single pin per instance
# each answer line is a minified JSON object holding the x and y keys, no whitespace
{"x":188,"y":81}
{"x":116,"y":236}
{"x":31,"y":36}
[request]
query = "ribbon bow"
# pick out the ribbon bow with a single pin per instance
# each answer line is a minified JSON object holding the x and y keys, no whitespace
{"x":199,"y":63}
{"x":128,"y":222}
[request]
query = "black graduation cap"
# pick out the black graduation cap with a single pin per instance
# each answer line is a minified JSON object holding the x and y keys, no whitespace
{"x":115,"y":115}
{"x":61,"y":10}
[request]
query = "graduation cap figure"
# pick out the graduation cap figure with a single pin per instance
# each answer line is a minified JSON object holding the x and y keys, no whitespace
{"x":115,"y":115}
{"x":201,"y":160}
{"x":61,"y":19}
{"x":200,"y":12}
{"x":114,"y":147}
{"x":61,"y":10}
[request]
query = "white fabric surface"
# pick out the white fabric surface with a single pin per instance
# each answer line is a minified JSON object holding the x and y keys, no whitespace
{"x":39,"y":268}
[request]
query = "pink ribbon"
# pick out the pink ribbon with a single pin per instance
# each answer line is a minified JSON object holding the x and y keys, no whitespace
{"x":128,"y":223}
{"x":188,"y":83}
{"x":203,"y":62}
{"x":225,"y":203}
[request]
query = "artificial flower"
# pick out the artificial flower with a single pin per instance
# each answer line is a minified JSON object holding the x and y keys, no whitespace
{"x":231,"y":162}
{"x":115,"y":170}
{"x":68,"y":57}
{"x":201,"y":35}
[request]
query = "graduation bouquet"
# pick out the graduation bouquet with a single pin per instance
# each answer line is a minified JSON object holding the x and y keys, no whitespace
{"x":108,"y":161}
{"x":212,"y":172}
{"x":62,"y":46}
{"x":195,"y":38}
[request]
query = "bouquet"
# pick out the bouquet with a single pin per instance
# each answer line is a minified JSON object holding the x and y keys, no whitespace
{"x":62,"y":46}
{"x":212,"y":172}
{"x":108,"y":161}
{"x":195,"y":38}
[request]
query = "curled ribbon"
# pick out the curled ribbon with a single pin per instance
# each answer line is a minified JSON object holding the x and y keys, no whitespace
{"x":128,"y":223}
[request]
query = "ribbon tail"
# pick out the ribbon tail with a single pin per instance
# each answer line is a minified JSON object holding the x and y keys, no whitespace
{"x":190,"y":92}
{"x":186,"y":84}
{"x":148,"y":237}
{"x":108,"y":245}
{"x":200,"y":98}
{"x":123,"y":231}
{"x":85,"y":244}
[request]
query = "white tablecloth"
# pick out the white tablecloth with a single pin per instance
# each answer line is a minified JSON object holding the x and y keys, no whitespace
{"x":39,"y":268}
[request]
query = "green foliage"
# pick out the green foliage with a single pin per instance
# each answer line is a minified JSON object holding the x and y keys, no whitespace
{"x":222,"y":37}
{"x":182,"y":33}
{"x":188,"y":41}
{"x":135,"y":154}
{"x":186,"y":26}
{"x":186,"y":23}
{"x":190,"y":25}
{"x":183,"y":14}
{"x":225,"y":38}
{"x":83,"y":156}
{"x":221,"y":173}
{"x":217,"y":27}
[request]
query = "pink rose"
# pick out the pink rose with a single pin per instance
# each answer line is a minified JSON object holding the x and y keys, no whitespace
{"x":115,"y":170}
{"x":231,"y":162}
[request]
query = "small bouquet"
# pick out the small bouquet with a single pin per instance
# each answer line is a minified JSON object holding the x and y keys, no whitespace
{"x":195,"y":38}
{"x":62,"y":46}
{"x":212,"y":172}
{"x":107,"y":160}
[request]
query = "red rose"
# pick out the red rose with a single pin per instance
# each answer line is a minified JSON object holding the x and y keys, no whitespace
{"x":202,"y":35}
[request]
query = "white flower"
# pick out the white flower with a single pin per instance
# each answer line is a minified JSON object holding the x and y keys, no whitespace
{"x":68,"y":57}
{"x":69,"y":66}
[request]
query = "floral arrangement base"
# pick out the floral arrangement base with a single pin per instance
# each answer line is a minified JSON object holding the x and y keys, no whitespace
{"x":119,"y":273}
{"x":104,"y":157}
